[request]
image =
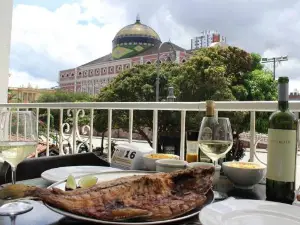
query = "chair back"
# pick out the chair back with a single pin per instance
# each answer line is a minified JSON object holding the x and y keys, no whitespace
{"x":33,"y":168}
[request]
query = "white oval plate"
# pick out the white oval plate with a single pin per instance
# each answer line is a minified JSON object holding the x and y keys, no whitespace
{"x":106,"y":176}
{"x":61,"y":173}
{"x":249,"y":212}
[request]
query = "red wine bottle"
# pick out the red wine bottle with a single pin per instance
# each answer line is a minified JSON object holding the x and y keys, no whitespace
{"x":282,"y":149}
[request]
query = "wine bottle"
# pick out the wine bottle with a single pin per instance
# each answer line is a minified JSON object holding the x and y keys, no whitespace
{"x":208,"y":131}
{"x":282,"y":149}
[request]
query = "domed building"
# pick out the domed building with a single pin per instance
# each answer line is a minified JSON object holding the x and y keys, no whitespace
{"x":134,"y":44}
{"x":134,"y":39}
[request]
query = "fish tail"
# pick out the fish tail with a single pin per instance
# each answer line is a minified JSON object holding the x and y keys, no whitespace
{"x":15,"y":191}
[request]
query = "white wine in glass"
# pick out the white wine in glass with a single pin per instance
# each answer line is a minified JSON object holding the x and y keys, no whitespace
{"x":215,"y":149}
{"x":215,"y":137}
{"x":18,"y":139}
{"x":16,"y":152}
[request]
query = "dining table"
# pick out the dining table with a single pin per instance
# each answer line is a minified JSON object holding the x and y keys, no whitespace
{"x":41,"y":215}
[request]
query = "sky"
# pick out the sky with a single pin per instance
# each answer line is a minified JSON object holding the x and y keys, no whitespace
{"x":53,"y":35}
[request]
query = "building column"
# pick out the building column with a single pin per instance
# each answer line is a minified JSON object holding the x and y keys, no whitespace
{"x":6,"y":8}
{"x":177,"y":60}
{"x":75,"y":80}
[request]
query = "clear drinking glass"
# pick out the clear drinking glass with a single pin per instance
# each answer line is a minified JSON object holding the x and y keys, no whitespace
{"x":18,"y":139}
{"x":215,"y":140}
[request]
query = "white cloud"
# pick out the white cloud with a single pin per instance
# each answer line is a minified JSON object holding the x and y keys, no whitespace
{"x":288,"y":68}
{"x":177,"y":33}
{"x":18,"y":79}
{"x":71,"y":35}
{"x":45,"y":41}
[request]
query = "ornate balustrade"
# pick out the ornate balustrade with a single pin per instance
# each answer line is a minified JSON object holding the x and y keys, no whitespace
{"x":72,"y":133}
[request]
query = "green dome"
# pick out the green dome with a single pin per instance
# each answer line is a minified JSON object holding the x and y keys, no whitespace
{"x":133,"y":39}
{"x":137,"y":29}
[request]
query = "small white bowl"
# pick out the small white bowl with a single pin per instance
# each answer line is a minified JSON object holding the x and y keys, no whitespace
{"x":243,"y":177}
{"x":150,"y":162}
{"x":169,"y":165}
{"x":216,"y":176}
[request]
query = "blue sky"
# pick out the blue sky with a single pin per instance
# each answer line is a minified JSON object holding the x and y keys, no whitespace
{"x":53,"y":35}
{"x":49,"y":4}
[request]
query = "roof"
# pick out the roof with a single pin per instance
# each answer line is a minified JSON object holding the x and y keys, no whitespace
{"x":137,"y":29}
{"x":164,"y":48}
{"x":149,"y":51}
{"x":102,"y":59}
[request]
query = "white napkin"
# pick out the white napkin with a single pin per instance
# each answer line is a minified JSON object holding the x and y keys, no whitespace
{"x":296,"y":202}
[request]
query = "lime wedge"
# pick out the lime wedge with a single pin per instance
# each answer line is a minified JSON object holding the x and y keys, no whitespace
{"x":71,"y":183}
{"x":87,"y":181}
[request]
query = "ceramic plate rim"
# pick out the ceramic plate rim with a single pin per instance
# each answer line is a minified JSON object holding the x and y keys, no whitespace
{"x":55,"y":180}
{"x":82,"y":218}
{"x":242,"y":207}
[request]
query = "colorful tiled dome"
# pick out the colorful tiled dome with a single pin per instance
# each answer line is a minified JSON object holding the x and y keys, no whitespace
{"x":133,"y":39}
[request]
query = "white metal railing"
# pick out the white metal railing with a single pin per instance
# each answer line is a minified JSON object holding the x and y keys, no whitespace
{"x":76,"y":110}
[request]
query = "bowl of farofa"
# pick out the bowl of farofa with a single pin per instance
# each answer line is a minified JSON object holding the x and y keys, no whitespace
{"x":244,"y":175}
{"x":150,"y":159}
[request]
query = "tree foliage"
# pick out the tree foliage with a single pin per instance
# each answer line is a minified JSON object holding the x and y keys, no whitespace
{"x":62,"y":96}
{"x":134,"y":85}
{"x":221,"y":74}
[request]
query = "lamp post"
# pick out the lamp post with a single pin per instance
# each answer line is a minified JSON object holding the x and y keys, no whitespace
{"x":158,"y":65}
{"x":171,"y":97}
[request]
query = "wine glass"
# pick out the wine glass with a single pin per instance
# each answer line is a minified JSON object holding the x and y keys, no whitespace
{"x":18,"y":139}
{"x":215,"y":140}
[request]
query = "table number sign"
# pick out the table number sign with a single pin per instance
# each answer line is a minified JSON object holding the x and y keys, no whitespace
{"x":129,"y":156}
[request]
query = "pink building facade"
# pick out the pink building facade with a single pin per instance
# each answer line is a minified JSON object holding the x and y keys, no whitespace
{"x":133,"y":45}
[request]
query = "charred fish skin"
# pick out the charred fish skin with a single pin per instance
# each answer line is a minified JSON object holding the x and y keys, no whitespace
{"x":152,"y":197}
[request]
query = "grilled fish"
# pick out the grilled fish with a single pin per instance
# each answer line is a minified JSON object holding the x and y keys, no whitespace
{"x":154,"y":197}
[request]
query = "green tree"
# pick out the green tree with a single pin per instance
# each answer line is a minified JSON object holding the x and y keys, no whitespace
{"x":63,"y":96}
{"x":12,"y":97}
{"x":221,"y":74}
{"x":134,"y":85}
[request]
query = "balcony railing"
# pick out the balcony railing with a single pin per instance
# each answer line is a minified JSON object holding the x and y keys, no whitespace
{"x":71,"y":132}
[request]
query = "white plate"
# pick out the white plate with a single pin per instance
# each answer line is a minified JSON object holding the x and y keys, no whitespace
{"x":249,"y":212}
{"x":61,"y":173}
{"x":106,"y":176}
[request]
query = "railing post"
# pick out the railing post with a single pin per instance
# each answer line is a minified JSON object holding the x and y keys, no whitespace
{"x":37,"y":128}
{"x":61,"y":119}
{"x":91,"y":130}
{"x":130,"y":124}
{"x":155,"y":129}
{"x":252,"y":136}
{"x":109,"y":134}
{"x":182,"y":134}
{"x":75,"y":127}
{"x":48,"y":130}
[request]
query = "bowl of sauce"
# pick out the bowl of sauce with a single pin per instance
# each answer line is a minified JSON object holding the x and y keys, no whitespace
{"x":244,"y":175}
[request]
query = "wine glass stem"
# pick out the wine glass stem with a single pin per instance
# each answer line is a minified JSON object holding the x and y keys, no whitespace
{"x":13,"y":220}
{"x":13,"y":175}
{"x":215,"y":162}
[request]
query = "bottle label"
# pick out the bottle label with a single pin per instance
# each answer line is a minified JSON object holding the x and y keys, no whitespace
{"x":281,"y":155}
{"x":206,"y":134}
